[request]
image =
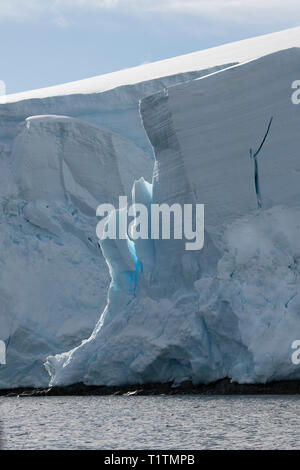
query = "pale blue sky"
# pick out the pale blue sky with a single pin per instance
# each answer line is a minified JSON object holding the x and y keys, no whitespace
{"x":47,"y":42}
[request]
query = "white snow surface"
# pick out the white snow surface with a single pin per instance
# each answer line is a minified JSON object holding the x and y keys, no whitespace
{"x":230,"y":310}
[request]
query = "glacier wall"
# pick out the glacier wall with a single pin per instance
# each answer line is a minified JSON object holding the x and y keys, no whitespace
{"x":60,"y":157}
{"x":238,"y":322}
{"x":55,"y":170}
{"x":232,"y":309}
{"x":53,"y":278}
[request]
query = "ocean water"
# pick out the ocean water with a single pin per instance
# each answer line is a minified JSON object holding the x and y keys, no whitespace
{"x":153,"y":422}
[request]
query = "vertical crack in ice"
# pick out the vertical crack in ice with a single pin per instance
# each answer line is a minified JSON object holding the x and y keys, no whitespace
{"x":256,"y":173}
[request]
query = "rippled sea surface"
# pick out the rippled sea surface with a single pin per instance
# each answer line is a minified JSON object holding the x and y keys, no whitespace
{"x":159,"y":422}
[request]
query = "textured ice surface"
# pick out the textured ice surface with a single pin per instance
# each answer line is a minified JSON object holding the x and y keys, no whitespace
{"x":237,"y":322}
{"x":252,"y":306}
{"x":232,"y":309}
{"x":64,"y":159}
{"x":55,"y":169}
{"x":53,"y":278}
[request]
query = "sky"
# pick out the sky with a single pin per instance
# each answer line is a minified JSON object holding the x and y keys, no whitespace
{"x":48,"y":42}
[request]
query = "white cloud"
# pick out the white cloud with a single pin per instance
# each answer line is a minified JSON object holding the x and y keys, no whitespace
{"x":25,"y":8}
{"x":60,"y":21}
{"x":228,"y":10}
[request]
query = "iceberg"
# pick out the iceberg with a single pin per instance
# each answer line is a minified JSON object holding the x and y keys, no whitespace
{"x":162,"y":313}
{"x":230,"y":310}
{"x":60,"y":157}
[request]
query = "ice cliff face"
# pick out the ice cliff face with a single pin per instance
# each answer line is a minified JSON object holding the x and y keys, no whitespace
{"x":229,"y":113}
{"x":55,"y":171}
{"x":53,"y":277}
{"x":238,"y":322}
{"x":232,"y":309}
{"x":229,"y":310}
{"x":57,"y":158}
